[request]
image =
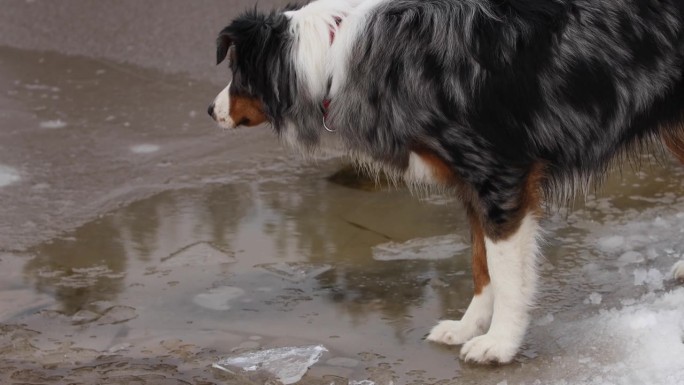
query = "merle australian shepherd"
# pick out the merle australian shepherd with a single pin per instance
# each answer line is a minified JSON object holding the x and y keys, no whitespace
{"x":508,"y":103}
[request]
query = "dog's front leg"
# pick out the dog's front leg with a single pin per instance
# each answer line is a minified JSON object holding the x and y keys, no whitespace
{"x":505,"y":224}
{"x":512,"y":267}
{"x":478,"y":316}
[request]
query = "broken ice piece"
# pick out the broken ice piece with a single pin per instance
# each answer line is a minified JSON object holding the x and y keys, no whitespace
{"x":288,"y":364}
{"x":218,"y":298}
{"x":432,"y":248}
{"x":117,"y":314}
{"x":295,"y":271}
{"x":197,"y":254}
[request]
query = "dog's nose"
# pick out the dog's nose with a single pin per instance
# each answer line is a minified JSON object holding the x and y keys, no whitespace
{"x":211,"y":110}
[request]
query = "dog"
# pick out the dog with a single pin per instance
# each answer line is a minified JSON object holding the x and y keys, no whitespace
{"x":511,"y":104}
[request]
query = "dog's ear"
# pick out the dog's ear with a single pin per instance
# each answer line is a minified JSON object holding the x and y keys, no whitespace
{"x":223,"y":43}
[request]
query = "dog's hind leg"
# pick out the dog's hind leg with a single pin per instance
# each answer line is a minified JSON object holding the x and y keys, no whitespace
{"x":511,"y":214}
{"x":673,"y":137}
{"x":478,"y":316}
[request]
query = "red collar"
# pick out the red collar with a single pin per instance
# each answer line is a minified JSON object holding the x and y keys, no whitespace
{"x":326,"y":102}
{"x":333,"y":30}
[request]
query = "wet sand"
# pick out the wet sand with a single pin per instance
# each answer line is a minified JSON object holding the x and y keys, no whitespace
{"x":140,"y":244}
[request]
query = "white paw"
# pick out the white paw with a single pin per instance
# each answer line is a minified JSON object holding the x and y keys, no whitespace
{"x":678,"y":270}
{"x":453,"y":332}
{"x":489,"y":349}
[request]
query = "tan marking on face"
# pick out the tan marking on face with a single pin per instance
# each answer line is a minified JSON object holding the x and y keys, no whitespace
{"x":246,"y":111}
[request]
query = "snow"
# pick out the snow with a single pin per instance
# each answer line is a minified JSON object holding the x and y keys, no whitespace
{"x":8,"y":175}
{"x":288,"y":364}
{"x":634,"y":336}
{"x":637,"y":344}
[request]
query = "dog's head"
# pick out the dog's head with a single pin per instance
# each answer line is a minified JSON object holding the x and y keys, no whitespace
{"x":256,"y":46}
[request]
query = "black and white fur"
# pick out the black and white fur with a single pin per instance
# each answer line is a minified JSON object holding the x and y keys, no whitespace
{"x":500,"y":92}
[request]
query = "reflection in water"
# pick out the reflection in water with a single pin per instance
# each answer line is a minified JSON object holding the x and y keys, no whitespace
{"x":314,"y":221}
{"x":81,"y":269}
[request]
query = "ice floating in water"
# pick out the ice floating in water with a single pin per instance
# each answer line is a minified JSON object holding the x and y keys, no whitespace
{"x":594,"y":299}
{"x":651,"y":278}
{"x":145,"y":148}
{"x":611,"y":243}
{"x":432,"y":248}
{"x":53,"y":124}
{"x":288,"y":364}
{"x":200,"y":253}
{"x":218,"y":298}
{"x":295,"y":271}
{"x":8,"y":175}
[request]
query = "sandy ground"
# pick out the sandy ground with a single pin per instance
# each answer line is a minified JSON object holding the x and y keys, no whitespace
{"x":139,"y":244}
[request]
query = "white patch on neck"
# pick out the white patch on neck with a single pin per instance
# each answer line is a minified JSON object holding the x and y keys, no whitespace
{"x":311,"y":26}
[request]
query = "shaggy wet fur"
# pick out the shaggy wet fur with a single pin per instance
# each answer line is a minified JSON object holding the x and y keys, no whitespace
{"x":508,"y":102}
{"x":490,"y":87}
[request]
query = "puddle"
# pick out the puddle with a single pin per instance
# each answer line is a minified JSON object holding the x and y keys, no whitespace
{"x":297,"y":263}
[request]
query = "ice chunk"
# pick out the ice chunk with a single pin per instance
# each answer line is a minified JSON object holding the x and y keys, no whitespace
{"x":198,"y":254}
{"x":630,"y":257}
{"x":84,"y":316}
{"x":678,"y":270}
{"x":594,"y":299}
{"x":651,"y":278}
{"x":218,"y":298}
{"x":295,"y":271}
{"x":547,"y":319}
{"x":432,"y":248}
{"x":145,"y":148}
{"x":117,"y":314}
{"x":288,"y":364}
{"x":8,"y":175}
{"x":53,"y":124}
{"x":612,"y":243}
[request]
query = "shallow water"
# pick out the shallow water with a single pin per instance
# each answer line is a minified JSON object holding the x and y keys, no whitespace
{"x":141,"y":245}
